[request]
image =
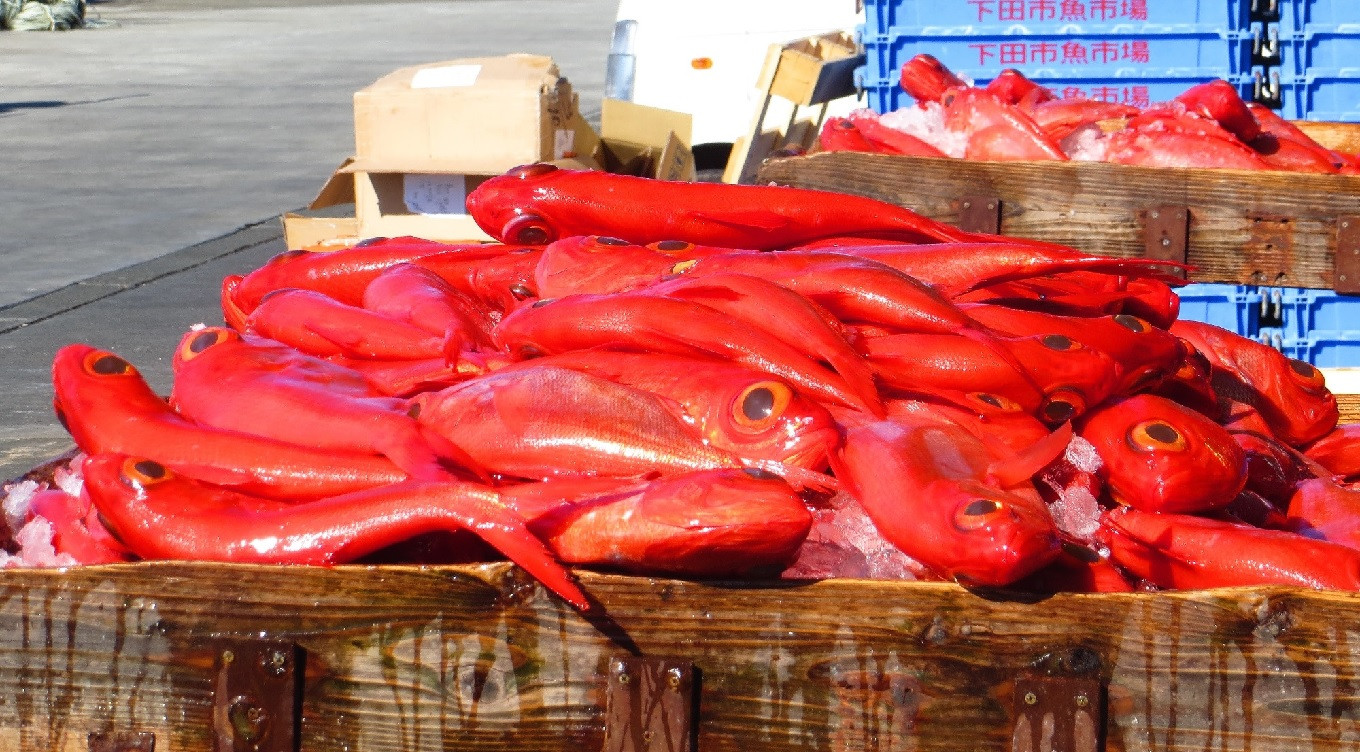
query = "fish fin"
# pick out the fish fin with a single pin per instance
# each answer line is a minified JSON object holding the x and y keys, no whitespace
{"x":800,"y":478}
{"x":751,"y":219}
{"x":1015,"y":470}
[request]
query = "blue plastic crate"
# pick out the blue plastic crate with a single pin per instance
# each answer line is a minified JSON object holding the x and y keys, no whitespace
{"x":1083,"y":16}
{"x":1236,"y":308}
{"x":886,"y":95}
{"x":1294,"y":15}
{"x":1304,"y":312}
{"x":1325,"y":349}
{"x":1321,"y":94}
{"x":983,"y":51}
{"x":1318,"y":47}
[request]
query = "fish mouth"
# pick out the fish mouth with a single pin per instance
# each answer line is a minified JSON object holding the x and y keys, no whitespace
{"x":815,"y":452}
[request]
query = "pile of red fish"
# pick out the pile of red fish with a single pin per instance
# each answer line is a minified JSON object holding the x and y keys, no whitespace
{"x":1014,"y":118}
{"x":717,"y":381}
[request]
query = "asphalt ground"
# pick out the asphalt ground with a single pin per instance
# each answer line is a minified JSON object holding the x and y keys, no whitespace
{"x":151,"y":154}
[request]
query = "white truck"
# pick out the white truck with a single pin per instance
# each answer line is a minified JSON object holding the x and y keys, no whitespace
{"x":704,"y":57}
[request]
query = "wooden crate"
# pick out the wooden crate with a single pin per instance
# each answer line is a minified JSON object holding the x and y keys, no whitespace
{"x":799,"y":80}
{"x":1264,"y":228}
{"x":469,"y":658}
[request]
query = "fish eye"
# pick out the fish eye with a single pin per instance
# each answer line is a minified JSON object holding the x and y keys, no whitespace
{"x":1062,"y":406}
{"x":671,"y":246}
{"x":979,"y":513}
{"x":528,"y":229}
{"x":761,"y":404}
{"x":366,"y":242}
{"x":1132,"y":323}
{"x":542,"y":302}
{"x":1081,"y":553}
{"x":521,"y":291}
{"x":1307,"y":372}
{"x":531,"y":170}
{"x":610,"y":241}
{"x":1156,"y":436}
{"x":107,"y":364}
{"x":138,"y":473}
{"x":1058,"y":342}
{"x":203,"y":340}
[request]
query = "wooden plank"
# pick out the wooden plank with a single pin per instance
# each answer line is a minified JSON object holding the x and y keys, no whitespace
{"x":479,"y":658}
{"x":1342,"y":137}
{"x":1270,"y":228}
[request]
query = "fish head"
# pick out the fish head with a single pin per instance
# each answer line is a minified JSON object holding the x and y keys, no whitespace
{"x":762,"y":417}
{"x":720,"y":522}
{"x":197,"y":342}
{"x":1002,"y":535}
{"x":1160,"y":456}
{"x":595,"y":264}
{"x":512,"y":207}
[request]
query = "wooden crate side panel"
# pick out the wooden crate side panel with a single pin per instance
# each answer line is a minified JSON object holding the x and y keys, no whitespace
{"x":403,"y":658}
{"x":1245,"y":227}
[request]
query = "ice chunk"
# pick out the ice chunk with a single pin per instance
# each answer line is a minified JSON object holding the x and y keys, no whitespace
{"x":17,"y":498}
{"x":1082,"y":455}
{"x":1086,"y":144}
{"x":36,"y":549}
{"x":844,"y":542}
{"x":927,"y":124}
{"x":1076,"y":512}
{"x":70,"y":478}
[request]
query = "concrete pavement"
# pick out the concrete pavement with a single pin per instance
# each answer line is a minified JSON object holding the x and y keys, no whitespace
{"x":150,"y":156}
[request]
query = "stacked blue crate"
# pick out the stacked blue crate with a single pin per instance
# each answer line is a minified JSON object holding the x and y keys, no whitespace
{"x":1236,"y":308}
{"x":1132,"y":51}
{"x":1319,"y":326}
{"x":1317,"y":74}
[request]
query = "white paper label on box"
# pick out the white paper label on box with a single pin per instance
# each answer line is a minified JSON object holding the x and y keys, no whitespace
{"x":564,"y":143}
{"x":435,"y":195}
{"x":445,"y":76}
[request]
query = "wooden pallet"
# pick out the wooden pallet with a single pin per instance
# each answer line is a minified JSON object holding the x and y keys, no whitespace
{"x":799,"y":79}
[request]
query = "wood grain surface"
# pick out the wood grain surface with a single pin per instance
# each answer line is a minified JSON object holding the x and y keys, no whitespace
{"x":479,"y":658}
{"x":1265,"y":228}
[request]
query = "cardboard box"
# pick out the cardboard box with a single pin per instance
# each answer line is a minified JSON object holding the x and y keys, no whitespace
{"x":427,"y":136}
{"x":470,"y":116}
{"x":429,"y":202}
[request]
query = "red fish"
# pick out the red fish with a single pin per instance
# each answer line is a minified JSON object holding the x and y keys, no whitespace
{"x":712,"y":523}
{"x":107,"y":406}
{"x":260,"y":387}
{"x":841,"y":134}
{"x":784,"y":315}
{"x":1141,"y":353}
{"x":542,"y":422}
{"x":885,"y":139}
{"x":652,"y":323}
{"x":1162,"y":457}
{"x":1060,"y":118}
{"x":956,"y":268}
{"x":1012,"y":87}
{"x":934,"y":490}
{"x":732,"y":407}
{"x":1338,"y":451}
{"x":499,"y":282}
{"x":342,"y":274}
{"x":1291,"y":395}
{"x":160,"y":515}
{"x":232,"y":313}
{"x":996,"y":131}
{"x":1187,"y":552}
{"x":1321,"y":507}
{"x":418,"y":296}
{"x":1219,"y":100}
{"x":537,"y":204}
{"x":927,"y":79}
{"x":319,"y":325}
{"x":1300,"y":148}
{"x":76,"y":528}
